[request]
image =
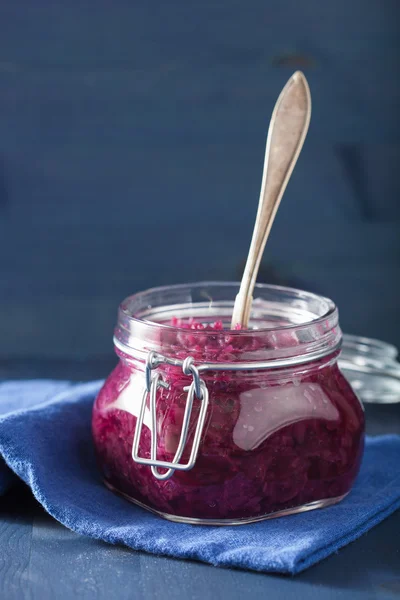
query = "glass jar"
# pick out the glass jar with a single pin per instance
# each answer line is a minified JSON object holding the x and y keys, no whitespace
{"x":202,"y":424}
{"x":372,"y":368}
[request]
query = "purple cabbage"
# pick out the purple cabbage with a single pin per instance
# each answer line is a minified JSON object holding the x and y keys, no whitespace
{"x":272,"y":440}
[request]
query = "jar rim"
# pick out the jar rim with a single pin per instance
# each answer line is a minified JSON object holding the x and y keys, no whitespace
{"x":285,"y":322}
{"x":125,"y":306}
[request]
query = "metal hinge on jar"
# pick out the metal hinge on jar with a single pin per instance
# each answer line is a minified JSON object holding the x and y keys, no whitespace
{"x":153,"y":383}
{"x":199,"y":389}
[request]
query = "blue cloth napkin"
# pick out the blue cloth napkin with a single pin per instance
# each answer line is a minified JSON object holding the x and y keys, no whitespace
{"x":45,"y":439}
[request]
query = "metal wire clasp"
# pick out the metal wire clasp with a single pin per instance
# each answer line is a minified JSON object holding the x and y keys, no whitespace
{"x":153,"y":382}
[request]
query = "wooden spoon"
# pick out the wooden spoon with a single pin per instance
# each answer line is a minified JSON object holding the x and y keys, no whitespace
{"x":286,"y":135}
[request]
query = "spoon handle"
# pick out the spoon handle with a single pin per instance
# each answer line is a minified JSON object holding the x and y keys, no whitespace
{"x":286,"y":135}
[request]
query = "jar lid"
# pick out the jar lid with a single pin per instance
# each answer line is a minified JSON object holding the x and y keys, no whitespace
{"x":372,"y":369}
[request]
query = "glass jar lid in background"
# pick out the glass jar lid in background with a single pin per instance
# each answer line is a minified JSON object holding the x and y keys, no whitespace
{"x":372,"y":369}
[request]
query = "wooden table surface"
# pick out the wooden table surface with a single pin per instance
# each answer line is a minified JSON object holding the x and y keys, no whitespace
{"x":40,"y":559}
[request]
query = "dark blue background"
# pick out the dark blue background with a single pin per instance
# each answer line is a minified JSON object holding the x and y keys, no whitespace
{"x":131,"y":147}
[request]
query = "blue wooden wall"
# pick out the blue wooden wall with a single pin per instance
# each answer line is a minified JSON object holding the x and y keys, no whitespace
{"x":131,"y":146}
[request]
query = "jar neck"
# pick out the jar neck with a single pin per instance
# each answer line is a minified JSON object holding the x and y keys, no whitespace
{"x":287,"y":326}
